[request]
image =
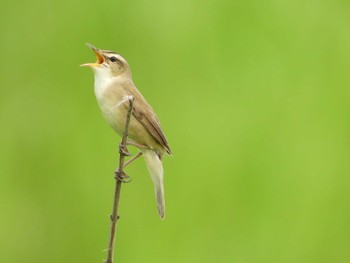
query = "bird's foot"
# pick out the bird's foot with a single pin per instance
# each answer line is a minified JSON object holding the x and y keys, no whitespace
{"x":122,"y":176}
{"x":124,"y":150}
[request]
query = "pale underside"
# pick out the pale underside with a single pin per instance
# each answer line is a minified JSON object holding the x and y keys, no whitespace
{"x":144,"y":128}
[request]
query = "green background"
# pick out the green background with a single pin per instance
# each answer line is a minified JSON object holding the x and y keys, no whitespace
{"x":252,"y":95}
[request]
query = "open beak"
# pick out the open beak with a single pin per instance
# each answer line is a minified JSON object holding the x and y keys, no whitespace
{"x":99,"y":56}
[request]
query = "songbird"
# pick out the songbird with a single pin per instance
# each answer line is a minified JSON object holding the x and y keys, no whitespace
{"x":113,"y":88}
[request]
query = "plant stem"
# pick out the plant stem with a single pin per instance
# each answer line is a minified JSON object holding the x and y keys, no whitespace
{"x":120,"y":177}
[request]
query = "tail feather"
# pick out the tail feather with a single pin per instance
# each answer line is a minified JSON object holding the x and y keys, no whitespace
{"x":155,"y":168}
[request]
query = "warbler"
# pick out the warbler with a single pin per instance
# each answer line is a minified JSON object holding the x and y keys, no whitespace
{"x":113,"y":88}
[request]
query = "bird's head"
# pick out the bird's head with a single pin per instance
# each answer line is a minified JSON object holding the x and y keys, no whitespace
{"x":108,"y":62}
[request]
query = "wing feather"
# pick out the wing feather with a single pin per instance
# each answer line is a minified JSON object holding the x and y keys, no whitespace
{"x":145,"y":115}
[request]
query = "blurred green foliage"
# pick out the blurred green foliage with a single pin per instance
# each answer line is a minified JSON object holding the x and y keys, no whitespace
{"x":252,"y":95}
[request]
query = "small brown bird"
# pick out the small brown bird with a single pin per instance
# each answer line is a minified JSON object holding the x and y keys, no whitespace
{"x":113,"y":88}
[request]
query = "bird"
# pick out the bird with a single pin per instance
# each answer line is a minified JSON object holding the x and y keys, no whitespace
{"x":114,"y":87}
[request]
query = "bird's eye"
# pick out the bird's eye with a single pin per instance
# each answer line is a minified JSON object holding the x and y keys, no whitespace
{"x":113,"y":59}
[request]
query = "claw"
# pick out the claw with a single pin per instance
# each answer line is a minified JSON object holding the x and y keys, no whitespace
{"x":124,"y":150}
{"x":122,"y":176}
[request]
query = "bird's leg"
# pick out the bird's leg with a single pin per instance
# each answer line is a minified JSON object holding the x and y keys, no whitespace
{"x":140,"y":146}
{"x":133,"y":159}
{"x":123,"y":150}
{"x":122,"y":176}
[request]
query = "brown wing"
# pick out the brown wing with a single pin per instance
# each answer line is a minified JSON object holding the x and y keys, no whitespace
{"x":145,"y":115}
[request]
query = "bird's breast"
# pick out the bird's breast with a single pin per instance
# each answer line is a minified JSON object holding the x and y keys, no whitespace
{"x":112,"y":98}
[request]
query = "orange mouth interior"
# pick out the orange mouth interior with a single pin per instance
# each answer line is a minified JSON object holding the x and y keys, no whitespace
{"x":100,"y":58}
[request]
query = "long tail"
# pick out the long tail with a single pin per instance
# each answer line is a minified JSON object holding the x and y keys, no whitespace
{"x":155,"y":168}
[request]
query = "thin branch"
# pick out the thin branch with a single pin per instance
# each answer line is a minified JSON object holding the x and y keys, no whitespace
{"x":120,"y":177}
